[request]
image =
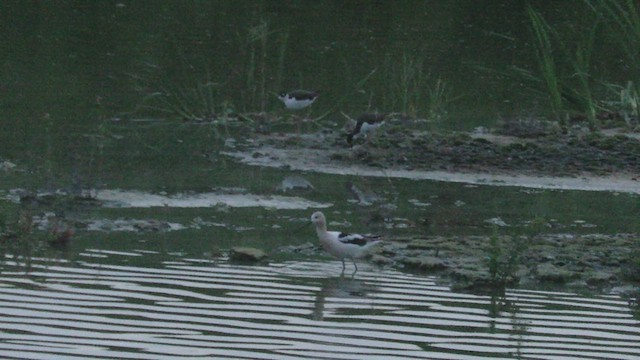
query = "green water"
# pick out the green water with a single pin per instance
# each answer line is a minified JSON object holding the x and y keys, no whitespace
{"x":95,"y":95}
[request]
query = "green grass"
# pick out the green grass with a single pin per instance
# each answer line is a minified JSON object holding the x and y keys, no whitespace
{"x":413,"y":91}
{"x":547,"y":64}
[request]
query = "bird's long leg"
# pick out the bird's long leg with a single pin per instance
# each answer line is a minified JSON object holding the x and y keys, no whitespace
{"x":343,"y":266}
{"x":355,"y":265}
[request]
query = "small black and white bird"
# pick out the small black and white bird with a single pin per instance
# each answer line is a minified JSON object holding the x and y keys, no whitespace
{"x":365,"y":124}
{"x":298,"y":99}
{"x":342,"y":245}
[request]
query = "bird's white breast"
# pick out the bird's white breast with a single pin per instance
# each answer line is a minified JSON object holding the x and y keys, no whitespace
{"x":292,"y":103}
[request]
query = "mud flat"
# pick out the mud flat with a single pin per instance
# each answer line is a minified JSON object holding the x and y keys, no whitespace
{"x":322,"y":160}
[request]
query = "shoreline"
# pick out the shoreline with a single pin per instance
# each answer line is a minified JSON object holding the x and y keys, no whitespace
{"x":320,"y":160}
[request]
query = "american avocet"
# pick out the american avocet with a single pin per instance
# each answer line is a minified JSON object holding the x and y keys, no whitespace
{"x":298,"y":99}
{"x":365,"y":124}
{"x":342,"y":245}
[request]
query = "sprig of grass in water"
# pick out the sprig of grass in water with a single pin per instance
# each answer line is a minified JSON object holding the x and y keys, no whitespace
{"x":580,"y":60}
{"x":405,"y":78}
{"x":409,"y":88}
{"x":627,"y":102}
{"x":504,"y":254}
{"x":625,"y":18}
{"x":439,"y":99}
{"x":257,"y":41}
{"x":563,"y":73}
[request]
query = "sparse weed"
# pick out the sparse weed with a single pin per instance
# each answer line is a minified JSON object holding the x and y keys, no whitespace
{"x":439,"y":100}
{"x":627,"y":102}
{"x":503,"y":259}
{"x":414,"y":92}
{"x":547,"y":66}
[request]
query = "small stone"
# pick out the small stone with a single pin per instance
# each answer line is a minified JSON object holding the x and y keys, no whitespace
{"x":381,"y":260}
{"x":294,"y":183}
{"x":550,"y":272}
{"x":246,"y":254}
{"x":599,"y":278}
{"x":230,"y":143}
{"x":497,"y":222}
{"x":7,"y":165}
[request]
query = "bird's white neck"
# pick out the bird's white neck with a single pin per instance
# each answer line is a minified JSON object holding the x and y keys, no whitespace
{"x":321,"y":229}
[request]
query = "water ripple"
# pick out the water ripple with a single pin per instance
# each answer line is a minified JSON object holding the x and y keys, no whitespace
{"x":200,"y":309}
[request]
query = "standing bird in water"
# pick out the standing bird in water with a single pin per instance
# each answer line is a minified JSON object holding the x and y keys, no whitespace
{"x":342,"y":245}
{"x":365,"y":124}
{"x":298,"y":99}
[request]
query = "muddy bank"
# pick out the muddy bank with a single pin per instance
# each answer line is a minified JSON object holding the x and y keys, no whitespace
{"x":119,"y":198}
{"x":599,"y":262}
{"x":609,"y":161}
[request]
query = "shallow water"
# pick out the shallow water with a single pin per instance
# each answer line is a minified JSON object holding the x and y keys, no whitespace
{"x":144,"y":305}
{"x":94,"y":96}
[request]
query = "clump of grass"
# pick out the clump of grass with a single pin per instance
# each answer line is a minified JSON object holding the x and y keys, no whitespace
{"x":627,"y":103}
{"x":503,"y":259}
{"x":567,"y":79}
{"x":439,"y":98}
{"x":405,"y":78}
{"x":632,"y":267}
{"x":197,"y":101}
{"x":193,"y":88}
{"x":546,"y":63}
{"x":412,"y":91}
{"x":17,"y":237}
{"x":257,"y":47}
{"x":622,"y":18}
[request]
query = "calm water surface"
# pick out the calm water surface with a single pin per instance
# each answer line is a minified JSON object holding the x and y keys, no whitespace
{"x":105,"y":306}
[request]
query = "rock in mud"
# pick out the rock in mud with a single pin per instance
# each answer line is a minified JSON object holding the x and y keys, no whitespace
{"x":6,"y":165}
{"x":294,"y":183}
{"x":381,"y":260}
{"x":247,"y":254}
{"x":424,"y":263}
{"x":550,"y":272}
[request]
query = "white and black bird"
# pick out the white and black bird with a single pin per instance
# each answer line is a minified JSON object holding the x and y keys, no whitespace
{"x":298,"y":99}
{"x":342,"y":245}
{"x":366,"y":124}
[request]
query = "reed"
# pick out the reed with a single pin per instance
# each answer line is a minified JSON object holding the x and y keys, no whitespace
{"x":412,"y":91}
{"x":257,"y":43}
{"x":622,"y":17}
{"x":626,"y":100}
{"x":547,"y":63}
{"x":503,"y":257}
{"x":439,"y":98}
{"x":580,"y":83}
{"x":410,"y":83}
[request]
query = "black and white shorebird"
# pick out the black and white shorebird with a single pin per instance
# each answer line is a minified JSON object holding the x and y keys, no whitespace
{"x":298,"y":99}
{"x":342,"y":245}
{"x":365,"y":124}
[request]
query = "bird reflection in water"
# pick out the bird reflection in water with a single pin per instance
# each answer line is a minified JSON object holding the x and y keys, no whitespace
{"x":334,"y":289}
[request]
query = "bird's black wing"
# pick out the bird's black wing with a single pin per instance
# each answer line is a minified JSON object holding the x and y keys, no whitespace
{"x":356,"y":239}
